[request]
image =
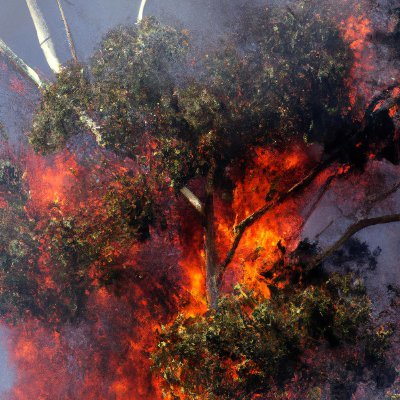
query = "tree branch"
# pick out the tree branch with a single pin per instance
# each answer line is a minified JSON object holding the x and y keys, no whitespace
{"x":68,"y":32}
{"x":240,"y":229}
{"x":318,"y":199}
{"x":44,"y":37}
{"x":29,"y":73}
{"x":21,"y":65}
{"x":381,"y":196}
{"x":352,"y":230}
{"x":91,"y":125}
{"x":297,"y":188}
{"x":193,"y":199}
{"x":324,"y":229}
{"x":141,"y":10}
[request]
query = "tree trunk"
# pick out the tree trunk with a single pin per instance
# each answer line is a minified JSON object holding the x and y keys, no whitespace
{"x":211,"y":256}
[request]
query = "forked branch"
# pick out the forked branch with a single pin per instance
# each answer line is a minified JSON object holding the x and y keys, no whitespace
{"x":240,"y":229}
{"x":352,"y":230}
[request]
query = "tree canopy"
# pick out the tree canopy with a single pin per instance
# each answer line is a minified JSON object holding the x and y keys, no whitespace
{"x":253,"y":346}
{"x":280,"y":75}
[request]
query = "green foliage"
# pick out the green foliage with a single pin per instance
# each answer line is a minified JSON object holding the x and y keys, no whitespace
{"x":10,"y":176}
{"x":18,"y":248}
{"x":281,"y":75}
{"x":57,"y":119}
{"x":128,"y":201}
{"x":87,"y":245}
{"x":18,"y":257}
{"x":49,"y":266}
{"x":134,"y":74}
{"x":253,"y":345}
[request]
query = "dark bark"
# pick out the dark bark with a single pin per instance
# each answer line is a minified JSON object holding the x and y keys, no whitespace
{"x":352,"y":230}
{"x":211,"y":262}
{"x":298,"y":188}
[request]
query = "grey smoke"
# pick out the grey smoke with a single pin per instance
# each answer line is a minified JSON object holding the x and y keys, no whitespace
{"x":89,"y":21}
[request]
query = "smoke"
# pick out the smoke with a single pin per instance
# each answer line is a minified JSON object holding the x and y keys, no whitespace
{"x":119,"y":326}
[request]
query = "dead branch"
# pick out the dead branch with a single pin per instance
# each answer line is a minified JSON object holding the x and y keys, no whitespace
{"x":352,"y":230}
{"x":68,"y":32}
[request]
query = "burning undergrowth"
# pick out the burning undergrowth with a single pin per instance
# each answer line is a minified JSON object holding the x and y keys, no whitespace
{"x":189,"y":199}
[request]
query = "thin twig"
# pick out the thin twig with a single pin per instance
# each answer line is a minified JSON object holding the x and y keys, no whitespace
{"x":68,"y":32}
{"x":381,"y":196}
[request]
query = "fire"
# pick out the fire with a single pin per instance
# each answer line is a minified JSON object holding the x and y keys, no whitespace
{"x":51,"y":180}
{"x":107,"y":356}
{"x":269,"y":172}
{"x":356,"y":30}
{"x":257,"y":251}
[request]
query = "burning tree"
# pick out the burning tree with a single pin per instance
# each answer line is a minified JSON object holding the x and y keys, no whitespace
{"x":146,"y":85}
{"x":170,"y":120}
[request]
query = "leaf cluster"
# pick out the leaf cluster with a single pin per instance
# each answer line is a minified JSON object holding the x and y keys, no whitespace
{"x":252,"y":345}
{"x":57,"y":119}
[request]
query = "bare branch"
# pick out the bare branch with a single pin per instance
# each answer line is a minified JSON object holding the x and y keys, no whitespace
{"x":68,"y":32}
{"x":29,"y":73}
{"x":324,"y":229}
{"x":21,"y":65}
{"x":141,"y":10}
{"x":193,"y":199}
{"x":44,"y":37}
{"x":240,"y":229}
{"x":318,"y":199}
{"x":352,"y":230}
{"x":381,"y":196}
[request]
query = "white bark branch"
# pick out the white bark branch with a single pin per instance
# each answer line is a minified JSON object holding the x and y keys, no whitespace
{"x":193,"y":199}
{"x":21,"y":65}
{"x":29,"y":73}
{"x":91,"y":125}
{"x":44,"y":37}
{"x":141,"y":10}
